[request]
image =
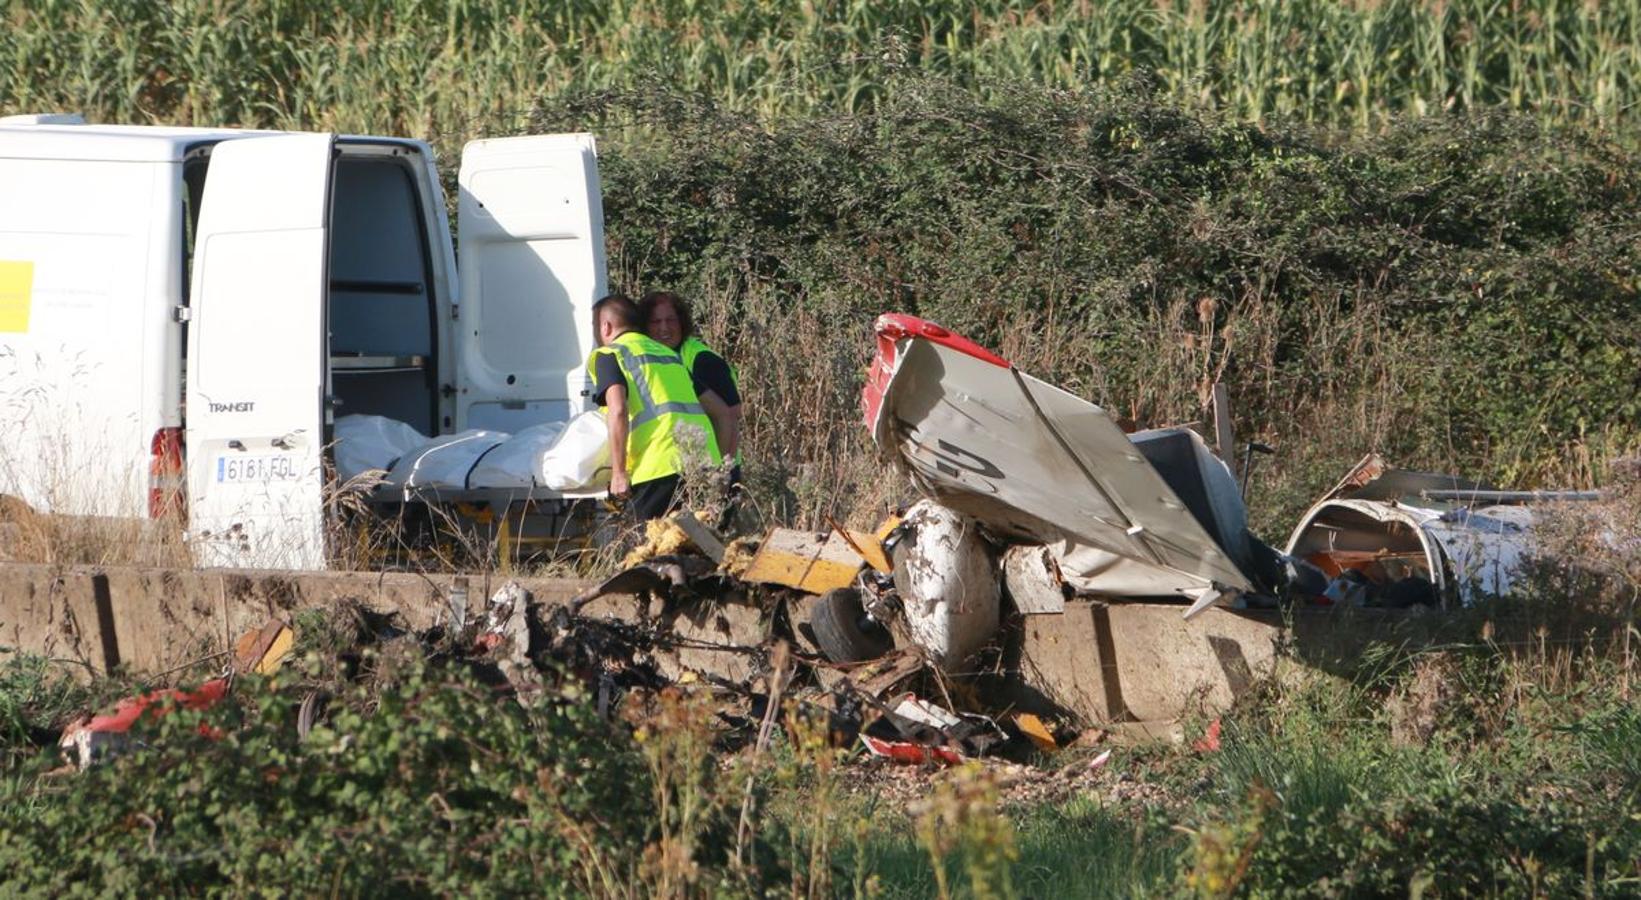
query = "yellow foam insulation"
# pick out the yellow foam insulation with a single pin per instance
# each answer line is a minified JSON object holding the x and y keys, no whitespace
{"x":263,"y":650}
{"x":812,"y":562}
{"x":662,"y":537}
{"x":738,"y":556}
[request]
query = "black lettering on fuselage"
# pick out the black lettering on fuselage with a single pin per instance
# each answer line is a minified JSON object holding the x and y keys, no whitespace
{"x":951,"y":459}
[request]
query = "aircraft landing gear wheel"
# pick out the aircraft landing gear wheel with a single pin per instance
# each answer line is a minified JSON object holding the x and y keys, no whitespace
{"x":843,"y":630}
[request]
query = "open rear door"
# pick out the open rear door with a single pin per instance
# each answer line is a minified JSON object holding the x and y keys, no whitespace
{"x":530,"y":227}
{"x":257,"y":355}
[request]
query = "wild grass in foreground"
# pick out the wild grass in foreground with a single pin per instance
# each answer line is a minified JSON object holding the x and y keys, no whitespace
{"x":1478,"y":767}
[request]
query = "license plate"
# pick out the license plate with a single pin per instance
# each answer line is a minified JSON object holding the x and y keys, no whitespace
{"x":244,"y":469}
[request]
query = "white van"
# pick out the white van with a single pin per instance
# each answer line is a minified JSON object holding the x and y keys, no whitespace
{"x":221,"y":297}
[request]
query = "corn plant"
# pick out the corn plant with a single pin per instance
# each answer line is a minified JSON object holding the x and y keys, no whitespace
{"x":445,"y":67}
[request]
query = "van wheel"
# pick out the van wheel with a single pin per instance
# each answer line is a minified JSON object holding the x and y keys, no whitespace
{"x":844,"y":632}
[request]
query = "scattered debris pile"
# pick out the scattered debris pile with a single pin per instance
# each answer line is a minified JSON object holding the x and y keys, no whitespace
{"x":1059,"y":573}
{"x":787,"y":628}
{"x":93,"y":738}
{"x":926,"y":640}
{"x":1083,"y":506}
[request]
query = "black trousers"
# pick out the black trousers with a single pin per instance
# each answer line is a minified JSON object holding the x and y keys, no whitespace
{"x":652,"y":499}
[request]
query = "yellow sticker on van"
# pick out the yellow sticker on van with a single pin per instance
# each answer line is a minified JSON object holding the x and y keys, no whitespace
{"x":16,"y":290}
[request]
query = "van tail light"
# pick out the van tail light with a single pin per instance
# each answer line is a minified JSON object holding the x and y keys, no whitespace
{"x":166,"y":481}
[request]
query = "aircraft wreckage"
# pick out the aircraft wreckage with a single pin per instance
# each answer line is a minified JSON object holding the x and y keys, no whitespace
{"x":1069,"y":505}
{"x":1070,"y":572}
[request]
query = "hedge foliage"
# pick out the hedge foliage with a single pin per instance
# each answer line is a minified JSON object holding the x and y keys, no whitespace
{"x":1455,"y":292}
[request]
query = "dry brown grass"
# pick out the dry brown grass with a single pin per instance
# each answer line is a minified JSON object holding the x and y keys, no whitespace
{"x":27,"y":536}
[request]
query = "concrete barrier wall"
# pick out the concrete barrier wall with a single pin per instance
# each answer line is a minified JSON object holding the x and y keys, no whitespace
{"x":1102,"y":663}
{"x":1140,"y":662}
{"x":151,"y":620}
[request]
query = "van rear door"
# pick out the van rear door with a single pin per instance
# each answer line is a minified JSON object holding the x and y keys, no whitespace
{"x":531,"y":261}
{"x":257,"y":354}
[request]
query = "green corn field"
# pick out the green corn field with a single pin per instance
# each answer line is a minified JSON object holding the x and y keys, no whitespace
{"x":439,"y":67}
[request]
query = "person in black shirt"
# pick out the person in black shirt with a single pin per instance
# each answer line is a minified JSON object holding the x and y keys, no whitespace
{"x":667,"y":319}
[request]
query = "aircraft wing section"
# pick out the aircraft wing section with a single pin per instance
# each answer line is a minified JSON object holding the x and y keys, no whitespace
{"x":1038,"y":464}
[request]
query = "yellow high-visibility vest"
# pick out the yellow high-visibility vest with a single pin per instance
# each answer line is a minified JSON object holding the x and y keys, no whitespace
{"x":664,"y":414}
{"x":693,"y":347}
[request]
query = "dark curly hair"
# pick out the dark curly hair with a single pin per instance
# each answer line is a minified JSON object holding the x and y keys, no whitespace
{"x":686,"y":319}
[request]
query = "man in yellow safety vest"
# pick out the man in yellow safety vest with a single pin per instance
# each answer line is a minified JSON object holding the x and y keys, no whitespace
{"x":652,"y":408}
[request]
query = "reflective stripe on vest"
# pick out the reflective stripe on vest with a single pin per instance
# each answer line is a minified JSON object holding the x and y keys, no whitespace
{"x":633,"y":365}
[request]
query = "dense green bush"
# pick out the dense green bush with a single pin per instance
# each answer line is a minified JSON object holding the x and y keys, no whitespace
{"x":425,"y":781}
{"x":434,"y":786}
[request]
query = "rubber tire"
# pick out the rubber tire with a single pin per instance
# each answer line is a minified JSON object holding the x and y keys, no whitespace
{"x":836,"y":623}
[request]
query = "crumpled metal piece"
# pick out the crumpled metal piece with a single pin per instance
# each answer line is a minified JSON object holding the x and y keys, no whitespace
{"x":507,"y":634}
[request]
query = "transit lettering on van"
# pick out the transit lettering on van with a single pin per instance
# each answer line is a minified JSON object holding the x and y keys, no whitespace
{"x":237,"y":406}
